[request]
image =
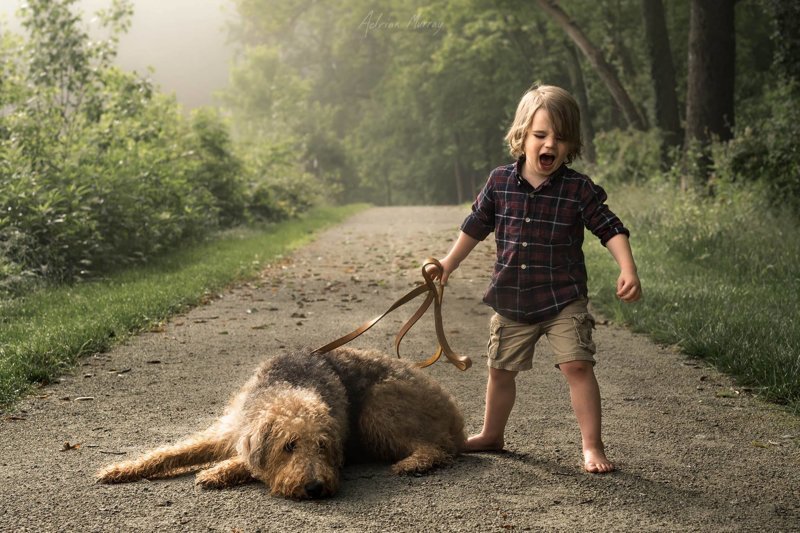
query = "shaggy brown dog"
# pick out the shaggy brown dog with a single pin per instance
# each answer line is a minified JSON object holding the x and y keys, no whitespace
{"x":294,"y":421}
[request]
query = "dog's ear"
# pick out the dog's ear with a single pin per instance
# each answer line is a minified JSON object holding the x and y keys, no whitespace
{"x":254,"y":439}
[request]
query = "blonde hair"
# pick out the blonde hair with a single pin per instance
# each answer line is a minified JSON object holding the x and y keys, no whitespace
{"x":564,"y":113}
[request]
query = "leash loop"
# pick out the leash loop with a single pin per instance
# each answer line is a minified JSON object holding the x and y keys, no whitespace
{"x":435,"y":295}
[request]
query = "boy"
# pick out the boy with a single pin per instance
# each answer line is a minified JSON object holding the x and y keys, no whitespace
{"x":537,"y":208}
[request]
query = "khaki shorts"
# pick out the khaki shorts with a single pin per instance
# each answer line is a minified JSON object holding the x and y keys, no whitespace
{"x":511,"y":344}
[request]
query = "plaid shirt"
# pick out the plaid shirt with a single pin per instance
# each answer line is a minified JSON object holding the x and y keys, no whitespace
{"x":539,"y":233}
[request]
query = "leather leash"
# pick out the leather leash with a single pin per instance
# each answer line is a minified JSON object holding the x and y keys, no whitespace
{"x":435,"y":295}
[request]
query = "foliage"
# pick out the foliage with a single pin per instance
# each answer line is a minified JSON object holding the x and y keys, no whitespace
{"x":44,"y":332}
{"x":278,"y":185}
{"x":401,"y":102}
{"x":217,"y":168}
{"x":765,"y":147}
{"x":785,"y":37}
{"x":628,"y":156}
{"x":720,"y":281}
{"x":97,"y":168}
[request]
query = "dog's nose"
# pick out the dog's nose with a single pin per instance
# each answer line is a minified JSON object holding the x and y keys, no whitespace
{"x":314,"y":489}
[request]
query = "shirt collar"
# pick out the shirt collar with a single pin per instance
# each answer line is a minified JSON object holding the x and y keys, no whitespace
{"x":521,"y":181}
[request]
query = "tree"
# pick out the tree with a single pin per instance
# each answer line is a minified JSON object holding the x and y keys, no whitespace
{"x":710,"y":85}
{"x":595,"y":56}
{"x":579,"y":88}
{"x":712,"y":54}
{"x":663,"y":75}
{"x":786,"y":37}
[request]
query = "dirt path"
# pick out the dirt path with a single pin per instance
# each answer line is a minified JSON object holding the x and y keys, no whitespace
{"x":693,"y":454}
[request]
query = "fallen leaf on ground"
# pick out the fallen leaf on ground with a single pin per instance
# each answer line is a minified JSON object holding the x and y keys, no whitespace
{"x":68,"y":447}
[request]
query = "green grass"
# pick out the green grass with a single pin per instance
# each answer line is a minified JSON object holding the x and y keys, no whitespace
{"x":44,"y":333}
{"x":720,"y":280}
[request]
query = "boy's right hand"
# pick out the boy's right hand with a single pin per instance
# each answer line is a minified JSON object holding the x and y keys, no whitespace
{"x":447,"y":268}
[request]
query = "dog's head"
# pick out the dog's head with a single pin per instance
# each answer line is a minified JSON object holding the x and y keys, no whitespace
{"x":293,"y":445}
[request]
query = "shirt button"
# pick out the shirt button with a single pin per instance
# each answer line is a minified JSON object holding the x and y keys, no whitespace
{"x":532,"y":194}
{"x":524,"y":244}
{"x":527,"y":219}
{"x":523,"y":267}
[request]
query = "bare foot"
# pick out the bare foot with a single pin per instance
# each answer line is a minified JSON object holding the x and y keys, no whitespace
{"x":596,"y":462}
{"x":479,"y":443}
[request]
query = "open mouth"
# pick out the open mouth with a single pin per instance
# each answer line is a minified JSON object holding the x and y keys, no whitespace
{"x":547,"y":160}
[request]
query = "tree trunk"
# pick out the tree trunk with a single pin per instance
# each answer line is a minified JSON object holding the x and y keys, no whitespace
{"x":662,"y":71}
{"x":710,"y":87}
{"x":611,"y":13}
{"x":576,"y":77}
{"x":596,"y":59}
{"x":712,"y":54}
{"x":457,"y":174}
{"x":459,"y":181}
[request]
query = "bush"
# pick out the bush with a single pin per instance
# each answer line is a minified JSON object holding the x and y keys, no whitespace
{"x":218,"y":170}
{"x":279,"y":186}
{"x":98,"y":170}
{"x":765,"y":150}
{"x":110,"y":183}
{"x":627,"y":156}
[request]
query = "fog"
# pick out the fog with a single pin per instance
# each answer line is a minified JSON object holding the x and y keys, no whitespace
{"x":183,"y":40}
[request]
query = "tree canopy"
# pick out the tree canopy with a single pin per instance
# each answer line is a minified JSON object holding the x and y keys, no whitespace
{"x":401,"y":102}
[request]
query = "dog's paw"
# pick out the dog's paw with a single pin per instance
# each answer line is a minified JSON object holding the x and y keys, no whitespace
{"x":423,"y":459}
{"x":210,"y":480}
{"x":117,"y":474}
{"x":411,"y":467}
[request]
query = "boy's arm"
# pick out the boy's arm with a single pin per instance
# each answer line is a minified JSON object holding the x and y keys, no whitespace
{"x":476,"y":227}
{"x":463,"y":246}
{"x":629,"y":288}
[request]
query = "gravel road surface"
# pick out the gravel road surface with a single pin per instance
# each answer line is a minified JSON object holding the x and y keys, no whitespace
{"x":694,"y":452}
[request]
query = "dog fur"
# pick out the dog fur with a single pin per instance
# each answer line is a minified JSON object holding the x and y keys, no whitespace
{"x":297,"y":420}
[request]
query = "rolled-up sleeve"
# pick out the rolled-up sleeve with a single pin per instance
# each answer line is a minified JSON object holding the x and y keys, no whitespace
{"x":480,"y":222}
{"x":597,"y":217}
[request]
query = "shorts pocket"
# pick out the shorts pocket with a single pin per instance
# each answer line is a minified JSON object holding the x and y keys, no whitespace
{"x":584,"y":324}
{"x":495,"y":329}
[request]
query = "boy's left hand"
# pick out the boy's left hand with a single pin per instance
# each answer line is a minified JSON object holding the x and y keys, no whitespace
{"x":629,"y":288}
